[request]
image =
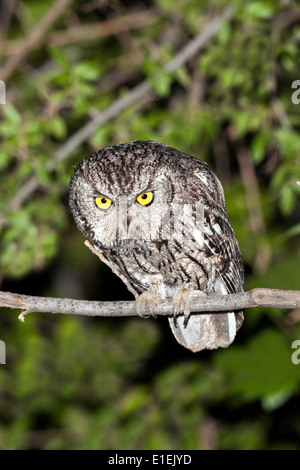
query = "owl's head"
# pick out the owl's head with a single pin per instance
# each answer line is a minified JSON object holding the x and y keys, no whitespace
{"x":123,"y":192}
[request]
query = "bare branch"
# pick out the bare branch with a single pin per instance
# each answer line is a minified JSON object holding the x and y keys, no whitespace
{"x":250,"y":182}
{"x":249,"y":179}
{"x":115,"y":26}
{"x":34,"y":38}
{"x":138,"y":93}
{"x":260,"y":297}
{"x":86,"y":32}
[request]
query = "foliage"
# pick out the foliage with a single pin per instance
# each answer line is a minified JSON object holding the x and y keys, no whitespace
{"x":72,"y":383}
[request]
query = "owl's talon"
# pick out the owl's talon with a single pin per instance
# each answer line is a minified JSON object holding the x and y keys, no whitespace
{"x":186,"y":319}
{"x":182,"y":298}
{"x":175,"y":315}
{"x":146,"y":301}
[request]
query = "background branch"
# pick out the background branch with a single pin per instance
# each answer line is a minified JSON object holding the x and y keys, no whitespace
{"x":36,"y":37}
{"x":272,"y":298}
{"x":86,"y":32}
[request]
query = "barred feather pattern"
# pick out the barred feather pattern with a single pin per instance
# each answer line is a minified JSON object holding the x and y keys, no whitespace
{"x":181,"y":242}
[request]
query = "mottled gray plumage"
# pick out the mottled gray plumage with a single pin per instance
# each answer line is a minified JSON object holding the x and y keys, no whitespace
{"x":179,"y":243}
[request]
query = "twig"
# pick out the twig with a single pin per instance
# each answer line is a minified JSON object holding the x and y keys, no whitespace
{"x":6,"y":13}
{"x":193,"y":46}
{"x":281,"y":114}
{"x":117,"y":25}
{"x":260,"y":297}
{"x":256,"y":217}
{"x":85,"y":32}
{"x":136,"y":94}
{"x":34,"y":38}
{"x":247,"y":170}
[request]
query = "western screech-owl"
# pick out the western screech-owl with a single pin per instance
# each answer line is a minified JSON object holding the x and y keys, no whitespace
{"x":159,"y":218}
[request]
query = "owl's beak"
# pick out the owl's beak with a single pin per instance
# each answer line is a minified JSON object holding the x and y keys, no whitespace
{"x":126,"y":222}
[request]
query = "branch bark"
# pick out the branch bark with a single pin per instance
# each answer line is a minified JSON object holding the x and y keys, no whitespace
{"x":259,"y":297}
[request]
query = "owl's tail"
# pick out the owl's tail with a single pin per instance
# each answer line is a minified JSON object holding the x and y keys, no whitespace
{"x":207,"y":330}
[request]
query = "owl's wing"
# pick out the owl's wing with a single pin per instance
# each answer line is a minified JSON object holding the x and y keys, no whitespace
{"x":217,"y":242}
{"x":221,"y":249}
{"x":210,"y":242}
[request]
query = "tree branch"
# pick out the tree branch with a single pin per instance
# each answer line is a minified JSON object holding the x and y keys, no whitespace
{"x":86,"y":32}
{"x":260,"y":297}
{"x":35,"y":37}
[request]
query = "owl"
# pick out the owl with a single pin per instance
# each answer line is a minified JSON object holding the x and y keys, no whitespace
{"x":159,"y":218}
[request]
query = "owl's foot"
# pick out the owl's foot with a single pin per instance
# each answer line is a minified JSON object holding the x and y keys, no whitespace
{"x":146,"y":302}
{"x":183,"y":297}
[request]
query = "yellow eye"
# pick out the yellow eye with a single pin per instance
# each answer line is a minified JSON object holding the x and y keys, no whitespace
{"x":103,"y":202}
{"x":145,"y":198}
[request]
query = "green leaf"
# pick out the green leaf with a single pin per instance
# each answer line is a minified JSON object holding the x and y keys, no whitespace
{"x":271,"y":402}
{"x":134,"y":400}
{"x":41,"y":171}
{"x":292,"y":232}
{"x":59,"y":55}
{"x":259,"y":146}
{"x":287,"y":199}
{"x":288,"y":140}
{"x":87,"y":70}
{"x":57,"y":127}
{"x":261,"y":368}
{"x":182,"y":76}
{"x":4,"y":160}
{"x":262,"y":9}
{"x":161,"y":83}
{"x":12,"y":114}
